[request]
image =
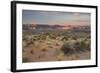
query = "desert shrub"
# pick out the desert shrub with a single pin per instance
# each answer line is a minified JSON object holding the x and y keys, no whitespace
{"x":79,"y":47}
{"x":48,"y":43}
{"x":82,"y":46}
{"x":32,"y":42}
{"x":25,"y":60}
{"x":88,"y":45}
{"x":50,"y":46}
{"x":65,"y":38}
{"x":32,"y":51}
{"x":25,"y":38}
{"x":66,"y":49}
{"x":74,"y":37}
{"x":57,"y":44}
{"x":33,"y":39}
{"x":75,"y":47}
{"x":43,"y":37}
{"x":52,"y":36}
{"x":27,"y":43}
{"x":44,"y":50}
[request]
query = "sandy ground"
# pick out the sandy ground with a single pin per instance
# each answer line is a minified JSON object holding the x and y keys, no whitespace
{"x":42,"y":51}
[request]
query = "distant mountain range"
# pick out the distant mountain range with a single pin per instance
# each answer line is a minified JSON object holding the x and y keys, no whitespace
{"x":50,"y":27}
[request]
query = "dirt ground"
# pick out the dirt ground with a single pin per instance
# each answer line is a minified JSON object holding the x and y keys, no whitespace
{"x":42,"y":51}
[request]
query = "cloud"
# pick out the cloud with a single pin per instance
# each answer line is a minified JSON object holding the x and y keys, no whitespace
{"x":76,"y":14}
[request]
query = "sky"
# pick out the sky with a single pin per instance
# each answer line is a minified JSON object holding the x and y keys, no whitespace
{"x":55,"y":17}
